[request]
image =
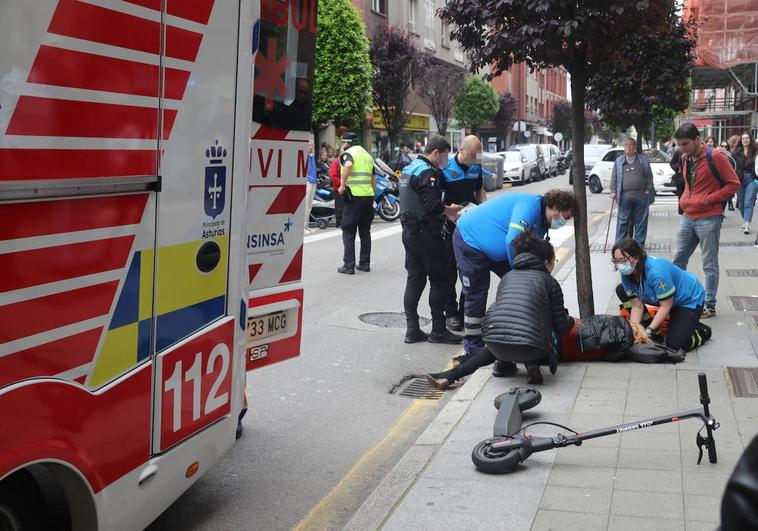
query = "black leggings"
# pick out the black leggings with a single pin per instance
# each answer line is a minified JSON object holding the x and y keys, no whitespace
{"x":682,"y":325}
{"x":470,"y":364}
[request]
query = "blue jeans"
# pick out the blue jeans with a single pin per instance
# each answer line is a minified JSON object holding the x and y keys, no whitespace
{"x":750,"y":191}
{"x":706,"y":232}
{"x":633,"y":209}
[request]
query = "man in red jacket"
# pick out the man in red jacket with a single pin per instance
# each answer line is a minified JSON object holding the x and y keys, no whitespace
{"x":701,"y":203}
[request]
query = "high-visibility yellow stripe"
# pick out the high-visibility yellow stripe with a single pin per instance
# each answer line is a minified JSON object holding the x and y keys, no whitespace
{"x":669,"y":293}
{"x":180,"y":284}
{"x":516,"y":226}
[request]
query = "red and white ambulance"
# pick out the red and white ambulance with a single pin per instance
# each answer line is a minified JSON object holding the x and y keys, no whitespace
{"x":152,"y":176}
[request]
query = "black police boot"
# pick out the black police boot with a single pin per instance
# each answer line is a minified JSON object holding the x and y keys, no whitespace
{"x":453,"y":322}
{"x":503,"y":368}
{"x":413,"y":333}
{"x":440,"y":334}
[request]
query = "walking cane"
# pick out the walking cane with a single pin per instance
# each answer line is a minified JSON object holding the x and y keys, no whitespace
{"x":608,"y":230}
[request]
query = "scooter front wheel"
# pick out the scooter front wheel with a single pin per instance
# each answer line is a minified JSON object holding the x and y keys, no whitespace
{"x":494,"y":461}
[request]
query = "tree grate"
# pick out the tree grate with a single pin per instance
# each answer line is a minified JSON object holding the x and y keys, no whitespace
{"x":742,"y":272}
{"x":655,"y":247}
{"x":389,"y":319}
{"x":418,"y":387}
{"x":735,"y":244}
{"x":744,"y":381}
{"x":745,"y":304}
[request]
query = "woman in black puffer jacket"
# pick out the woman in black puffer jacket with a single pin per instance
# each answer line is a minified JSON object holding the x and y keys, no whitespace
{"x":527,"y":312}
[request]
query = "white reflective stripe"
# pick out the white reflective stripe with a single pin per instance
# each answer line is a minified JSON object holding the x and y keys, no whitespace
{"x":360,"y":173}
{"x":472,"y":331}
{"x":472,"y":320}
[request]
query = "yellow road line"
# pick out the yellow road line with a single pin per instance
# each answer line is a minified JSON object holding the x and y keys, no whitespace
{"x":560,"y":253}
{"x":348,"y":494}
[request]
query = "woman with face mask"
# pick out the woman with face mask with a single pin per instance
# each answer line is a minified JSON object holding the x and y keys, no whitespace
{"x":527,"y":316}
{"x":657,"y":281}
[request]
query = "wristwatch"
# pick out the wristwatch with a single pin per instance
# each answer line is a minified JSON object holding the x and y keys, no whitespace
{"x":649,"y":331}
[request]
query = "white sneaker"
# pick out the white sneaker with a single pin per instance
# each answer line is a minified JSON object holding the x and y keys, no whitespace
{"x":746,"y":228}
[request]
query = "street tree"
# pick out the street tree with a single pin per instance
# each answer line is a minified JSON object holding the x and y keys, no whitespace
{"x":508,"y":106}
{"x":648,"y":76}
{"x":398,"y":64}
{"x":477,"y":104}
{"x":580,"y":36}
{"x":343,"y":74}
{"x":561,"y":122}
{"x":440,"y":85}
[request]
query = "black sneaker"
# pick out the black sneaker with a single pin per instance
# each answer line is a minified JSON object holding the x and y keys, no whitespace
{"x":446,"y":337}
{"x":533,"y":374}
{"x":454,"y":323}
{"x":346,"y":270}
{"x":503,"y":368}
{"x":415,"y":335}
{"x":365,"y":269}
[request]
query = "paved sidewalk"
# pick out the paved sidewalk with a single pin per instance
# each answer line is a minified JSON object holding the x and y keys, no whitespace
{"x":645,"y":479}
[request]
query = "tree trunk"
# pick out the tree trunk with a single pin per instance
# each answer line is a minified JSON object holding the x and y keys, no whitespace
{"x":582,"y":251}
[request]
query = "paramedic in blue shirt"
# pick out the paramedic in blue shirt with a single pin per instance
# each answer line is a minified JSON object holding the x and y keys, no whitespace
{"x":463,"y":184}
{"x":482,"y":243}
{"x":657,"y":281}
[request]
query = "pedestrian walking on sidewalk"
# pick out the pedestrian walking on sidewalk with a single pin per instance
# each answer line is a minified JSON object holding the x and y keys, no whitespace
{"x":709,"y":180}
{"x":463,"y":184}
{"x":482,"y":244}
{"x":422,"y":213}
{"x":745,"y":160}
{"x":357,"y":185}
{"x":632,"y":187}
{"x":656,"y":281}
{"x":528,"y":312}
{"x":310,"y":184}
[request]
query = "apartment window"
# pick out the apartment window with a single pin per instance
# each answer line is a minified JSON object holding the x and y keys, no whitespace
{"x":380,"y":6}
{"x":429,"y":18}
{"x":445,"y":36}
{"x":412,"y":14}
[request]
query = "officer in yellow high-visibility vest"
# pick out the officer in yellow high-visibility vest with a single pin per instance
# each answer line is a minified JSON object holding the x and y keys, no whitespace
{"x":357,"y":187}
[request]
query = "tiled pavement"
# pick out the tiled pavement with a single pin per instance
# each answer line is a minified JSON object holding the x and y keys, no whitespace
{"x":645,"y":479}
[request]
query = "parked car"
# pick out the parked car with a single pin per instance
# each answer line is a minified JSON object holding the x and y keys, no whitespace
{"x":492,"y":163}
{"x":517,"y":169}
{"x":533,"y":152}
{"x":600,"y":175}
{"x":551,"y":153}
{"x":592,"y":154}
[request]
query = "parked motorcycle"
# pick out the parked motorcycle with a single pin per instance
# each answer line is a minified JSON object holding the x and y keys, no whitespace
{"x":386,"y":195}
{"x":322,"y":211}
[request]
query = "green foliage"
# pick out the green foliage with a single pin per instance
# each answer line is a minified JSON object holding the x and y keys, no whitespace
{"x":440,"y":85}
{"x":343,"y":72}
{"x":477,"y":104}
{"x":561,"y":122}
{"x":665,"y":123}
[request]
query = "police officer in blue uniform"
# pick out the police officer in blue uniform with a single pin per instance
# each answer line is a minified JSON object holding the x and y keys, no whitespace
{"x":463,"y":184}
{"x":422,"y":212}
{"x":482,"y":243}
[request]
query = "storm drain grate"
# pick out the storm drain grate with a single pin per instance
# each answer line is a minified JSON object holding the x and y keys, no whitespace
{"x":418,"y":387}
{"x":745,"y":304}
{"x":742,"y":272}
{"x":659,"y":214}
{"x":744,"y":381}
{"x":655,"y":247}
{"x":735,"y":244}
{"x":389,"y":319}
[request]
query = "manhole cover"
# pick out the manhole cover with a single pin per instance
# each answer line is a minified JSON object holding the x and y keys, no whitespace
{"x":735,"y":244}
{"x":742,"y":272}
{"x":389,"y":319}
{"x":744,"y":381}
{"x":745,"y":304}
{"x":656,"y":247}
{"x":418,"y":387}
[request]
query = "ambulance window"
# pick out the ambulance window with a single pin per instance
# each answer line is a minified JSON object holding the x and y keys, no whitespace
{"x":285,"y":37}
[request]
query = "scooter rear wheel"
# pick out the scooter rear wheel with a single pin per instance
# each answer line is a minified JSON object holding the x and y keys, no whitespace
{"x":527,"y":398}
{"x":492,"y":461}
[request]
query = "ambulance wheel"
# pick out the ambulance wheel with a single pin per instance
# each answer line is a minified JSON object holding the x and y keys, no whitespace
{"x":322,"y":223}
{"x":527,"y":397}
{"x":21,"y":503}
{"x":492,"y":461}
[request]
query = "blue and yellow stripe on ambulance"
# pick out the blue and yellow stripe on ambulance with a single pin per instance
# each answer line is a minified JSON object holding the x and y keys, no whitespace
{"x":186,"y":300}
{"x":127,"y":341}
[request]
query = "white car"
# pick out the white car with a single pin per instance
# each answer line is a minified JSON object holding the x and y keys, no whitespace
{"x":600,"y":174}
{"x":551,"y":152}
{"x":517,"y":169}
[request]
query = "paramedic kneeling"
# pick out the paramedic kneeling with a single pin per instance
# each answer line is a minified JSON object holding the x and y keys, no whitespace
{"x":657,"y":281}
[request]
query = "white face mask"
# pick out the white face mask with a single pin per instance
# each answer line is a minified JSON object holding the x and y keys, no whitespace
{"x":557,"y":223}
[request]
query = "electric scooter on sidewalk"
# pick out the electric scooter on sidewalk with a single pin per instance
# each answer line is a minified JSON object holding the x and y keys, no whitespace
{"x":511,"y":445}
